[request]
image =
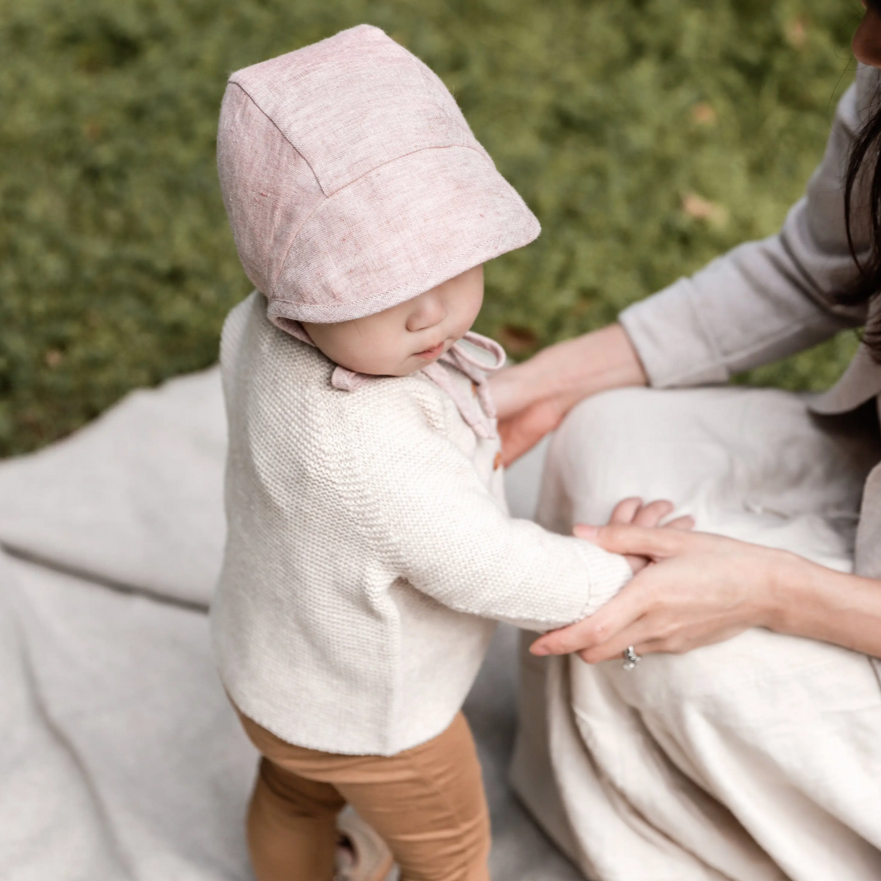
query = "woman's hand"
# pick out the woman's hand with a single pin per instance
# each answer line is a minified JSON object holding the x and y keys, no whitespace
{"x":633,"y":511}
{"x":702,"y":589}
{"x":532,"y":398}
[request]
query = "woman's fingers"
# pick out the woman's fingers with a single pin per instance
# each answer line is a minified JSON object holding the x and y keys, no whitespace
{"x":632,"y":510}
{"x":685,"y":523}
{"x":635,"y":637}
{"x":626,"y":510}
{"x":614,"y":617}
{"x":676,"y":642}
{"x":653,"y":513}
{"x":575,"y":637}
{"x":648,"y":631}
{"x":620,"y":538}
{"x":522,"y":430}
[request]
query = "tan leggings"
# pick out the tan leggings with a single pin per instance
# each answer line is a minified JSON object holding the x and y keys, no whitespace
{"x":427,"y":803}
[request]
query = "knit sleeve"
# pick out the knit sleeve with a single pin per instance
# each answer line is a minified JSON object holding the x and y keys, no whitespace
{"x":439,"y":527}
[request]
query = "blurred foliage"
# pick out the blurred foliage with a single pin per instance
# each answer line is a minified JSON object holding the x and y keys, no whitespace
{"x":648,"y":136}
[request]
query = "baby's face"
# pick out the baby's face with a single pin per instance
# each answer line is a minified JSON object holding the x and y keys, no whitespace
{"x":403,"y":339}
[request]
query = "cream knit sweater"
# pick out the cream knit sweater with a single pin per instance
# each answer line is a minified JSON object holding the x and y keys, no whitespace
{"x":369,"y":550}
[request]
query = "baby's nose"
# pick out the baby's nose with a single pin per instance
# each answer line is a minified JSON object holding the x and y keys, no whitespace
{"x":428,"y":312}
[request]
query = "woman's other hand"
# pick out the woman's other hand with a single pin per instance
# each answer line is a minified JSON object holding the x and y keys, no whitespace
{"x":533,"y":397}
{"x":702,"y":589}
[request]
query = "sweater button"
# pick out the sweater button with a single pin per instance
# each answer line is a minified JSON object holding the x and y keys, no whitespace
{"x":497,"y":462}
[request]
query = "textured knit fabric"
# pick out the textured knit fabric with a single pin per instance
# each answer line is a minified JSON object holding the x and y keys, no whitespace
{"x":369,"y":550}
{"x":353,"y":182}
{"x":121,"y":758}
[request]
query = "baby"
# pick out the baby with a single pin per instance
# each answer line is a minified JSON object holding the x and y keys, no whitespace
{"x":369,"y":551}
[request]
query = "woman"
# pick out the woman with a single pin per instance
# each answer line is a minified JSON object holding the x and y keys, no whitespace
{"x":741,"y":736}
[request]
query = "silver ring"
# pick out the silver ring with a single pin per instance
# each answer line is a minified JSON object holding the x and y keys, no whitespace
{"x":631,"y":658}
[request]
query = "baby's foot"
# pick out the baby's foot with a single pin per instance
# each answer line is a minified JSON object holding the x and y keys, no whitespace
{"x":361,"y":855}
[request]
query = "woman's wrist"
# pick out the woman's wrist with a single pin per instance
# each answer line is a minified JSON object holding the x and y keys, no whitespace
{"x":810,"y":600}
{"x":780,"y":592}
{"x":569,"y":371}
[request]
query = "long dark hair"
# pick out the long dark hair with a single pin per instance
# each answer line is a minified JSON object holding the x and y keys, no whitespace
{"x":862,"y":205}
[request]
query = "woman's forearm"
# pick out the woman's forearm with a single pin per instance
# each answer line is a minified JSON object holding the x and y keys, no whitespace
{"x":818,"y":603}
{"x":576,"y":368}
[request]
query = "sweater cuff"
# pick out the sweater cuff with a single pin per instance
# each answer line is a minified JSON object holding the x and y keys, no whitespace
{"x":607,"y":573}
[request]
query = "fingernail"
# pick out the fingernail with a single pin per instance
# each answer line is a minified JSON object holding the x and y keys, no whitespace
{"x":582,"y":530}
{"x":538,"y":650}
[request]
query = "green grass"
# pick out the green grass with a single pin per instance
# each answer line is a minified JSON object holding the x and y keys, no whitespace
{"x":116,"y":262}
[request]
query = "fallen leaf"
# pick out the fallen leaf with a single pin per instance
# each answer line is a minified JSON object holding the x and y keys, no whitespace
{"x":796,"y":32}
{"x":517,"y":339}
{"x":699,"y":208}
{"x":703,"y":114}
{"x":92,"y":129}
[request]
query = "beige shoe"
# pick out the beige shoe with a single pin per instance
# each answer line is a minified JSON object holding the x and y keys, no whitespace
{"x":361,"y":854}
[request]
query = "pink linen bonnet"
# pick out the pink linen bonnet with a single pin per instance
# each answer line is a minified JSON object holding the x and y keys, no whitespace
{"x":353,"y":182}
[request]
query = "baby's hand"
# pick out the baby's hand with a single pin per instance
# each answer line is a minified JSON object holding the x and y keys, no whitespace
{"x":633,"y":511}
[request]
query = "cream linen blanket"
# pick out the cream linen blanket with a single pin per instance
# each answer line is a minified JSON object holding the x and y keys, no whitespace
{"x":120,"y":758}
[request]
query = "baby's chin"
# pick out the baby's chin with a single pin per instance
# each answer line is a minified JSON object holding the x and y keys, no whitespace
{"x":409,"y":367}
{"x":411,"y":364}
{"x":405,"y":368}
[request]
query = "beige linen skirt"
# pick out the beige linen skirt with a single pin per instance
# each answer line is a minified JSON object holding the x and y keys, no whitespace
{"x":755,"y":759}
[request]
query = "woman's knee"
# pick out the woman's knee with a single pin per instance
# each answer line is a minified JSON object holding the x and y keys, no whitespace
{"x":601,"y":453}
